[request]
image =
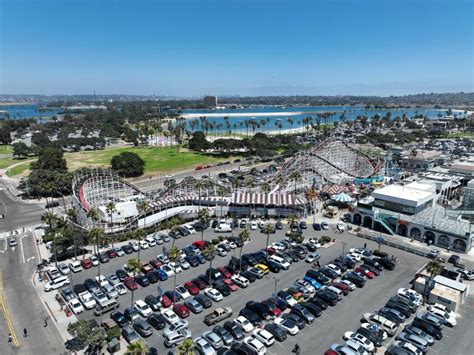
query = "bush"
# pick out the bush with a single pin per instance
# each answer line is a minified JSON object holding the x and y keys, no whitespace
{"x":128,"y":164}
{"x":221,"y":238}
{"x":324,"y":239}
{"x":216,"y":241}
{"x":382,"y":254}
{"x":113,"y":333}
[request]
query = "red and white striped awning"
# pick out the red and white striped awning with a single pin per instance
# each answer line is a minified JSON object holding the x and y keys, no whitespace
{"x":266,"y":199}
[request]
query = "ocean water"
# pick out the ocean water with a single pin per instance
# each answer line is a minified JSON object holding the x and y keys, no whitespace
{"x":19,"y":112}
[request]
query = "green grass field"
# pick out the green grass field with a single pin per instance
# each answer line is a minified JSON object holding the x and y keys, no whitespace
{"x":6,"y":162}
{"x":461,"y":135}
{"x":19,"y":169}
{"x":156,"y":159}
{"x":5,"y":150}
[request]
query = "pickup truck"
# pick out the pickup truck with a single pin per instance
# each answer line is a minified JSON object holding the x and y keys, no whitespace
{"x":218,"y":315}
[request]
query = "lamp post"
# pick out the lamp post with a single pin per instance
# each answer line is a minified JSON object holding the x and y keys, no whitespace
{"x":275,"y":293}
{"x":343,"y":247}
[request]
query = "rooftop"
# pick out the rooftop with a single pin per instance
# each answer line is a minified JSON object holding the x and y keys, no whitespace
{"x":404,"y":193}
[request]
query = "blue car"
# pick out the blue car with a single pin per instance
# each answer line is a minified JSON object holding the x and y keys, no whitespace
{"x":316,"y":226}
{"x":313,"y":282}
{"x":163,"y":276}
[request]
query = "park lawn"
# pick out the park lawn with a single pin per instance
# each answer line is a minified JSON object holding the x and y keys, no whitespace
{"x":6,"y":162}
{"x":19,"y":169}
{"x":461,"y":135}
{"x":165,"y":159}
{"x":5,"y":149}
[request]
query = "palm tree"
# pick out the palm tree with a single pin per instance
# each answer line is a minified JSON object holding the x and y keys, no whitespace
{"x":210,"y":254}
{"x":173,"y":255}
{"x":134,"y":265}
{"x":267,"y":229}
{"x":137,"y":348}
{"x":204,"y":218}
{"x":110,"y":208}
{"x":244,"y":236}
{"x":138,"y":234}
{"x":174,"y":224}
{"x":50,"y":219}
{"x":97,"y":234}
{"x":265,"y":187}
{"x":434,"y":267}
{"x":186,"y":347}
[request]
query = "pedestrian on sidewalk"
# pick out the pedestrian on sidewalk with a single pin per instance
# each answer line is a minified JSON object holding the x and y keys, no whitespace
{"x":25,"y":332}
{"x":10,"y":338}
{"x":46,"y":322}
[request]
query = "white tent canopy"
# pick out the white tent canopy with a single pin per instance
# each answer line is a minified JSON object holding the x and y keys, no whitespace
{"x":342,"y":197}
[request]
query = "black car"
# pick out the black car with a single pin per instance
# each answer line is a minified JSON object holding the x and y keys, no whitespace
{"x":371,"y":268}
{"x":127,"y":249}
{"x":318,"y":276}
{"x":300,"y":323}
{"x":328,"y":273}
{"x":121,"y":274}
{"x":279,"y":225}
{"x":152,"y":277}
{"x":454,"y":259}
{"x":142,"y":280}
{"x":373,"y":263}
{"x":224,"y":334}
{"x":340,"y":265}
{"x":373,"y":337}
{"x":327,"y":296}
{"x":300,"y":252}
{"x":153,"y":302}
{"x":294,"y":257}
{"x":252,"y":317}
{"x":173,"y":295}
{"x":278,"y":332}
{"x":386,"y":263}
{"x":303,"y":225}
{"x":119,"y":318}
{"x":249,"y":259}
{"x":311,"y":247}
{"x":261,"y":309}
{"x":287,"y":257}
{"x":103,"y":258}
{"x":199,"y":227}
{"x":428,"y":328}
{"x":390,"y":317}
{"x":260,"y":257}
{"x":222,"y":288}
{"x":79,"y":288}
{"x":280,"y":303}
{"x":201,"y":259}
{"x":318,"y":302}
{"x":273,"y":266}
{"x":350,"y":264}
{"x":204,"y":279}
{"x":313,"y":308}
{"x":235,"y":330}
{"x":157,"y":321}
{"x":249,"y":276}
{"x":203,"y":300}
{"x":91,"y":285}
{"x":238,"y":242}
{"x":192,"y":260}
{"x":183,"y":231}
{"x":355,"y":279}
{"x":215,"y":223}
{"x":402,"y":308}
{"x":413,"y":307}
{"x":242,"y":349}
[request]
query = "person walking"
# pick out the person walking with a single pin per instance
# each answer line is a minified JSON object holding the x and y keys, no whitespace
{"x":296,"y":349}
{"x":25,"y":332}
{"x":10,"y":338}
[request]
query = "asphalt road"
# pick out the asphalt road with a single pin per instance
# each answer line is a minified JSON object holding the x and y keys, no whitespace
{"x":326,"y":330}
{"x":24,"y":308}
{"x":17,"y":213}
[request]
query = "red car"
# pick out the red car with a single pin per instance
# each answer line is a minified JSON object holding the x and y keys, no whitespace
{"x":156,"y":263}
{"x":274,"y":310}
{"x":271,"y":251}
{"x":344,"y":288}
{"x":181,"y":310}
{"x":224,"y":271}
{"x":147,"y":268}
{"x":366,"y":272}
{"x":165,"y":301}
{"x":200,"y":244}
{"x":111,"y":254}
{"x":199,"y":283}
{"x":130,"y":283}
{"x":233,"y":287}
{"x":331,"y":352}
{"x":192,"y":288}
{"x":86,"y":263}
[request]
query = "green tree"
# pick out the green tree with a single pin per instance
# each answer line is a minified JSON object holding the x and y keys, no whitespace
{"x":82,"y":330}
{"x":50,"y":158}
{"x":173,"y":255}
{"x":244,"y":236}
{"x":97,"y":235}
{"x":267,"y":229}
{"x":139,"y":234}
{"x":210,"y":254}
{"x":110,"y":208}
{"x":137,"y":348}
{"x":204,"y":218}
{"x":20,"y":150}
{"x":186,"y":347}
{"x":134,"y":265}
{"x":128,"y":164}
{"x":433,"y":268}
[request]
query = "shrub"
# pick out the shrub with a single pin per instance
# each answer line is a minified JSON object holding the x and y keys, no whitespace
{"x":382,"y":254}
{"x":324,"y":239}
{"x":215,"y":241}
{"x":113,"y":333}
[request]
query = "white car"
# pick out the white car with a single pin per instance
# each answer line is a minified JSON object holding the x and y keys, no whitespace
{"x":170,"y":316}
{"x":87,"y":300}
{"x":232,"y":245}
{"x":334,"y":268}
{"x":410,"y":295}
{"x":168,"y":270}
{"x":213,"y":294}
{"x":356,"y":347}
{"x":240,"y":281}
{"x":175,"y":267}
{"x":306,"y":284}
{"x":360,"y":339}
{"x":150,"y":241}
{"x":75,"y":306}
{"x":443,"y":308}
{"x":163,"y":258}
{"x":63,"y":269}
{"x":290,"y":300}
{"x":290,"y":327}
{"x":134,"y":244}
{"x":94,"y":260}
{"x":354,"y":257}
{"x":144,"y":244}
{"x":221,"y":250}
{"x":190,"y":228}
{"x":100,"y":297}
{"x":119,"y":251}
{"x":101,"y":280}
{"x":278,"y":246}
{"x":253,"y":226}
{"x":324,"y":225}
{"x":264,"y":336}
{"x":184,"y":264}
{"x":183,"y":292}
{"x":315,"y":242}
{"x":75,"y":266}
{"x":466,"y":274}
{"x":203,"y":347}
{"x":244,"y":324}
{"x":174,"y":327}
{"x":256,"y":345}
{"x":121,"y":289}
{"x":448,"y":318}
{"x":349,"y":284}
{"x":341,"y":227}
{"x":143,"y":308}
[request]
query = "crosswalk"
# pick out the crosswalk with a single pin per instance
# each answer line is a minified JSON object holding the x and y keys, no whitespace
{"x":19,"y":231}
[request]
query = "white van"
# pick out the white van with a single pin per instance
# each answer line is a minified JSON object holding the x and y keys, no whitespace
{"x":223,"y":228}
{"x":336,"y":291}
{"x":285,"y":265}
{"x":240,"y":281}
{"x":56,"y":283}
{"x":107,"y":306}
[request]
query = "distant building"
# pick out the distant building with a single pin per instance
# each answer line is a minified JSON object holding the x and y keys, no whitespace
{"x":210,"y":101}
{"x":422,"y":160}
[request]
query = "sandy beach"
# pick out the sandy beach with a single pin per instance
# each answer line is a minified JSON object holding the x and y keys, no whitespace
{"x":241,"y":114}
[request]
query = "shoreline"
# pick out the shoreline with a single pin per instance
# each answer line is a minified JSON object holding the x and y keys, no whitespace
{"x":242,"y":114}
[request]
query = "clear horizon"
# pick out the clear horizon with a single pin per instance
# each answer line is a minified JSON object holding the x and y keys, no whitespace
{"x":249,"y":48}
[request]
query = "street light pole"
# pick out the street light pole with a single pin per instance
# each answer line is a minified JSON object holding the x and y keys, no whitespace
{"x":275,"y":294}
{"x":343,"y":247}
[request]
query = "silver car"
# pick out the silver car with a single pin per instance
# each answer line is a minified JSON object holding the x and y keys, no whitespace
{"x":419,"y":342}
{"x":177,"y":337}
{"x":110,"y":291}
{"x":213,"y":339}
{"x":179,"y":325}
{"x":422,"y":334}
{"x":193,"y":305}
{"x":203,"y":347}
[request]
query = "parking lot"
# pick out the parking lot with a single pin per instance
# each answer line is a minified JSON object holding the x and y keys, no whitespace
{"x":315,"y":337}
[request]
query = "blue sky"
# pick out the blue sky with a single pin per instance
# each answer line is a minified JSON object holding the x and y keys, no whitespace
{"x":228,"y":47}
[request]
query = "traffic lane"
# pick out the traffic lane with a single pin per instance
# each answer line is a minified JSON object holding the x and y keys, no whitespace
{"x":17,"y":213}
{"x":24,"y":308}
